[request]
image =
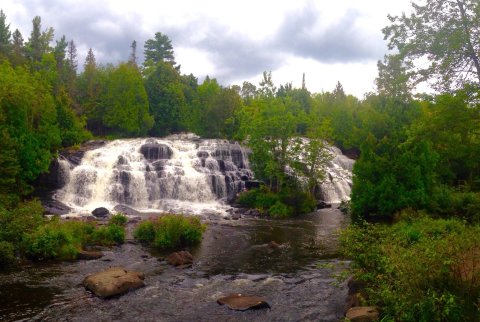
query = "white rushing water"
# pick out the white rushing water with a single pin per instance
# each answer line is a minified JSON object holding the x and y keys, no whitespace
{"x":179,"y":173}
{"x":338,"y":185}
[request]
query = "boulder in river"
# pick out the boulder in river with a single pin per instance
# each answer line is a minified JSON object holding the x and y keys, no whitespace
{"x":89,"y":255}
{"x":362,"y":314}
{"x":113,"y":281}
{"x":240,"y":302}
{"x":101,"y":212}
{"x":323,"y":205}
{"x":180,"y":259}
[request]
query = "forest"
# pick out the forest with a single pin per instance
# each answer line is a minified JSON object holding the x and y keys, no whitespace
{"x":415,"y":204}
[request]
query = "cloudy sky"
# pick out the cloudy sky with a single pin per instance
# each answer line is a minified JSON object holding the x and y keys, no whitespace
{"x":233,"y":41}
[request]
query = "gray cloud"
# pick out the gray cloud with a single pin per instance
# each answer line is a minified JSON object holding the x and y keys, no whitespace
{"x":341,"y":42}
{"x":234,"y":55}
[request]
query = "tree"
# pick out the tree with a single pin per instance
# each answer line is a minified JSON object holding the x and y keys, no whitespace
{"x":267,"y":88}
{"x":393,"y":79}
{"x":18,"y":49}
{"x":167,"y":100}
{"x":439,"y":42}
{"x":5,"y":35}
{"x":39,"y":42}
{"x":90,"y":86}
{"x":125,"y":102}
{"x":133,"y":54}
{"x":157,"y":50}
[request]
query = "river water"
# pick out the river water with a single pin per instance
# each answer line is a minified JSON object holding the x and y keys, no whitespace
{"x":298,"y":279}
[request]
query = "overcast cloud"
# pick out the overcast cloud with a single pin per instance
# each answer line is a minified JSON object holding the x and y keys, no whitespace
{"x":232,"y":41}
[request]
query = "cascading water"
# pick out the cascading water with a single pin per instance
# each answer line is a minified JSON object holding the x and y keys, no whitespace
{"x":338,"y":184}
{"x":171,"y":174}
{"x":179,"y":173}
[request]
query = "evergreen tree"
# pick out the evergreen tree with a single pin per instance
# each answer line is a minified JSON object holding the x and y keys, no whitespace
{"x":5,"y":35}
{"x":158,"y":50}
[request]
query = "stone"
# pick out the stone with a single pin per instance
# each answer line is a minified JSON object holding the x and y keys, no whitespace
{"x":236,"y":216}
{"x":101,"y":212}
{"x":156,"y":151}
{"x":273,"y":245}
{"x":323,"y":205}
{"x":240,"y":302}
{"x":362,"y":314}
{"x":89,"y":255}
{"x":113,"y":281}
{"x":180,"y":259}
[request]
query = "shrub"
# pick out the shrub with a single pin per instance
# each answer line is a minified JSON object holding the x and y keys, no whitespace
{"x":145,"y":231}
{"x":420,"y":269}
{"x":109,"y":235}
{"x":118,"y":219}
{"x":16,"y":223}
{"x":51,"y":242}
{"x":288,"y":202}
{"x":170,"y":231}
{"x":7,"y":254}
{"x":279,"y":210}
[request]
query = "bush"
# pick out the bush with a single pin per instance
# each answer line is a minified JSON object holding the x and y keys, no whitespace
{"x":18,"y":222}
{"x":109,"y":235}
{"x":288,"y":202}
{"x":118,"y":219}
{"x":460,"y":204}
{"x":419,"y":269}
{"x":7,"y":254}
{"x":279,"y":210}
{"x":145,"y":231}
{"x":63,"y":240}
{"x":170,"y":231}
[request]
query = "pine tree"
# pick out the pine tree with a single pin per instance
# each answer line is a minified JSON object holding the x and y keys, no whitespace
{"x":5,"y":35}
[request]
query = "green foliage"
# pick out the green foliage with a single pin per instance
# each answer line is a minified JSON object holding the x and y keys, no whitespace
{"x":438,"y":42}
{"x":170,"y":231}
{"x":125,"y":102}
{"x":18,"y":222}
{"x":289,"y":202}
{"x":58,"y":240}
{"x":419,"y":269}
{"x":118,"y":219}
{"x":279,"y":210}
{"x":109,"y":235}
{"x":145,"y":231}
{"x":7,"y":255}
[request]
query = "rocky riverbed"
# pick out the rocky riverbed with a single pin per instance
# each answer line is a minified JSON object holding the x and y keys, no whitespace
{"x":290,"y":263}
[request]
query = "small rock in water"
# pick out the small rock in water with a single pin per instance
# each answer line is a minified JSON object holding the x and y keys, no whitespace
{"x":323,"y":205}
{"x":362,"y":314}
{"x":113,"y":281}
{"x":273,"y":245}
{"x":236,"y":216}
{"x":180,"y":259}
{"x":89,"y":255}
{"x":242,"y":302}
{"x":101,"y":212}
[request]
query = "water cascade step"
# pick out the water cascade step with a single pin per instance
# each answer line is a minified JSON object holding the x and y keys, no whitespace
{"x":177,"y":173}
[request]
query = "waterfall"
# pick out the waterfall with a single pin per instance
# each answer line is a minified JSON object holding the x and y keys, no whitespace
{"x":179,"y":173}
{"x":338,"y":184}
{"x":156,"y":174}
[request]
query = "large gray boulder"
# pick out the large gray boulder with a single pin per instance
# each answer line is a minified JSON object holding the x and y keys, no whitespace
{"x":113,"y":281}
